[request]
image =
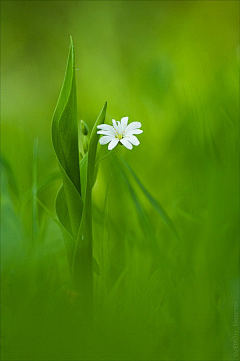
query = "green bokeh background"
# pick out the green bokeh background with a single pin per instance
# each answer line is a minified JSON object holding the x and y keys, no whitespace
{"x":173,"y":66}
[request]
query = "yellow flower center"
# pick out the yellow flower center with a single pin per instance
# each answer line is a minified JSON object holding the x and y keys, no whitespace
{"x":119,"y":135}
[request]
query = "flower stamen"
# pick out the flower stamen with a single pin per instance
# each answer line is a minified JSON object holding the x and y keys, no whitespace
{"x":119,"y":136}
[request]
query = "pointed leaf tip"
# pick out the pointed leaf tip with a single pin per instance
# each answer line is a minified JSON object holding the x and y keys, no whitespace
{"x":105,"y":106}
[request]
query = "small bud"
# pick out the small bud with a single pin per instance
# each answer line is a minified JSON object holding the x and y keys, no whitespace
{"x":85,"y":129}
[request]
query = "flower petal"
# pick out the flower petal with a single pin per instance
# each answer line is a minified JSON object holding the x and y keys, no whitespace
{"x":107,"y":132}
{"x":106,"y":139}
{"x":133,"y":131}
{"x":126,"y":143}
{"x":132,"y":139}
{"x":114,"y":123}
{"x":104,"y":127}
{"x":124,"y":122}
{"x":133,"y":125}
{"x":113,"y":143}
{"x":119,"y":127}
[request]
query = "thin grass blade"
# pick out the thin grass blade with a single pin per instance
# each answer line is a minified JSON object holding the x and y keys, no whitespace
{"x":153,"y":201}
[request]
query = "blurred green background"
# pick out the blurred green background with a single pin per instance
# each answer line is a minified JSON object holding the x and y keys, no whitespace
{"x":173,"y":66}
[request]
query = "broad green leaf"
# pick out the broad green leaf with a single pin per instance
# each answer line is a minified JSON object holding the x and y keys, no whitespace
{"x":62,"y":209}
{"x":64,"y":124}
{"x":65,"y":142}
{"x":74,"y":202}
{"x":48,"y":180}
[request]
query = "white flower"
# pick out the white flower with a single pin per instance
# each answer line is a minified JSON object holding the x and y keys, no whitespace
{"x":120,"y":132}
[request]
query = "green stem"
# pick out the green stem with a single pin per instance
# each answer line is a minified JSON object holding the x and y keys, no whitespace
{"x":34,"y":192}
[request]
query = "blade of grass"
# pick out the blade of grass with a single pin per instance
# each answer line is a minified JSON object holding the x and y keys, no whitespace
{"x":153,"y":201}
{"x":144,"y":220}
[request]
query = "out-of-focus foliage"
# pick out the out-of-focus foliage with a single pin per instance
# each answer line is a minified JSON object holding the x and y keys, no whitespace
{"x":173,"y":66}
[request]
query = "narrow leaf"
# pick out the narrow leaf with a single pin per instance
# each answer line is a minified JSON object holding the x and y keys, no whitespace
{"x":153,"y":202}
{"x":93,"y":146}
{"x":82,"y":263}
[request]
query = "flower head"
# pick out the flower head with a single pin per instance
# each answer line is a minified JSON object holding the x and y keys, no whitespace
{"x":120,"y":132}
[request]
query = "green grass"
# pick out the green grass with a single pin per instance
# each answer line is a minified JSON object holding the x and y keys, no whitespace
{"x":165,"y":216}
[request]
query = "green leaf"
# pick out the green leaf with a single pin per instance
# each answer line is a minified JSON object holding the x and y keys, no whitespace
{"x":83,"y":174}
{"x":62,"y":210}
{"x":65,"y":142}
{"x":47,"y":180}
{"x":64,"y":124}
{"x":73,"y":201}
